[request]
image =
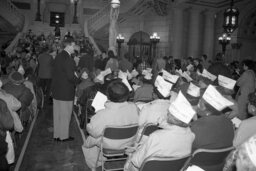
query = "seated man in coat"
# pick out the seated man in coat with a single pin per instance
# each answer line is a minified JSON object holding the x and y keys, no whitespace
{"x":13,"y":105}
{"x":117,"y":112}
{"x":173,"y":140}
{"x":213,"y":130}
{"x":16,"y":88}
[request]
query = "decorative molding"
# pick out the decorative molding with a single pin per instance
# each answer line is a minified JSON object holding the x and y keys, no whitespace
{"x":161,"y":7}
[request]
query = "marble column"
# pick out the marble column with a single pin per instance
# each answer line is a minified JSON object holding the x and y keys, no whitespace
{"x":208,"y":40}
{"x":194,"y":33}
{"x":177,"y":32}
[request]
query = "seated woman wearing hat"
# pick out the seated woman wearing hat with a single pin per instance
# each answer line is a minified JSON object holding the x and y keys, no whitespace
{"x":173,"y":140}
{"x":213,"y":130}
{"x":117,"y":112}
{"x":85,"y":82}
{"x":16,"y":88}
{"x":145,"y":93}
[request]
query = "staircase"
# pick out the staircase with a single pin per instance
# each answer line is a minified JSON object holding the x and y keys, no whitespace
{"x":17,"y":22}
{"x":40,"y":27}
{"x":101,"y":18}
{"x":11,"y":13}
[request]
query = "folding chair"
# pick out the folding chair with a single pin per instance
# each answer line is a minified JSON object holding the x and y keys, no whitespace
{"x":163,"y":163}
{"x":114,"y":159}
{"x":86,"y":113}
{"x":148,"y":129}
{"x":209,"y":159}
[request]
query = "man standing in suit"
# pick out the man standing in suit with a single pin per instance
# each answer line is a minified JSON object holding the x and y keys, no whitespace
{"x":63,"y":90}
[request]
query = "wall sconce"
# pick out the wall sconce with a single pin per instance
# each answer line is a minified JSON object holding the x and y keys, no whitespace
{"x":119,"y":40}
{"x":115,"y":3}
{"x":224,"y":40}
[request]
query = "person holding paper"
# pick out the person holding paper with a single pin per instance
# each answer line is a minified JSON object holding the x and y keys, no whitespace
{"x":213,"y":130}
{"x":247,"y":85}
{"x":145,"y":93}
{"x":173,"y":140}
{"x":247,"y":127}
{"x":219,"y":68}
{"x":63,"y":90}
{"x":117,"y":112}
{"x":112,"y":62}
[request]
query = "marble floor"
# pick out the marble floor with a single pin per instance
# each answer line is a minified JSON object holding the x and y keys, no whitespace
{"x":43,"y":154}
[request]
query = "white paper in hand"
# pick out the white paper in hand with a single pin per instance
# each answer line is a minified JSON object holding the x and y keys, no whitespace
{"x":186,"y":76}
{"x":193,"y":90}
{"x":135,"y":87}
{"x":226,"y":82}
{"x":208,"y":75}
{"x":194,"y":168}
{"x":125,"y":81}
{"x":163,"y":86}
{"x":236,"y":121}
{"x":106,"y":72}
{"x":169,"y":77}
{"x":215,"y":99}
{"x":99,"y":101}
{"x":182,"y":109}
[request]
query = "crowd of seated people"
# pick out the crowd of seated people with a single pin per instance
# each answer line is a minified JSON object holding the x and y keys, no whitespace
{"x":212,"y":88}
{"x":195,"y":102}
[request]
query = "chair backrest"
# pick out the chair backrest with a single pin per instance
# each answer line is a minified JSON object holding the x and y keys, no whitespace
{"x":210,"y":159}
{"x":163,"y":163}
{"x":150,"y":128}
{"x":120,"y":132}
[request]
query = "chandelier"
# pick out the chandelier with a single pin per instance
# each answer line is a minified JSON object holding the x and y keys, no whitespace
{"x":230,"y":18}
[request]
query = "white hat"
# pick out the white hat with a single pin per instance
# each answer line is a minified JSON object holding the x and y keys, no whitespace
{"x":182,"y":109}
{"x":134,"y":73}
{"x":84,"y":75}
{"x":129,"y":75}
{"x":169,"y":77}
{"x":122,"y":75}
{"x":226,"y":82}
{"x":207,"y":74}
{"x":189,"y":67}
{"x":106,"y":72}
{"x":163,"y":86}
{"x":193,"y":90}
{"x":147,"y":74}
{"x":186,"y":76}
{"x":194,"y":168}
{"x":215,"y":99}
{"x":250,"y":147}
{"x":21,"y":70}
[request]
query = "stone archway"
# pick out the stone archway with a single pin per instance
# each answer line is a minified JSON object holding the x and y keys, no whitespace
{"x":139,"y":45}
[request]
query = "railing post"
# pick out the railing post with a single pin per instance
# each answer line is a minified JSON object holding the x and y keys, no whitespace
{"x":38,"y":15}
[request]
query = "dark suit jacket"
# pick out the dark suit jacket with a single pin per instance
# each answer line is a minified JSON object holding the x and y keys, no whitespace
{"x":45,"y":66}
{"x":86,"y":61}
{"x":212,"y":132}
{"x":63,"y":78}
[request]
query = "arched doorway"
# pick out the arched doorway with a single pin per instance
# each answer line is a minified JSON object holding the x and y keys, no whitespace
{"x":139,"y":46}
